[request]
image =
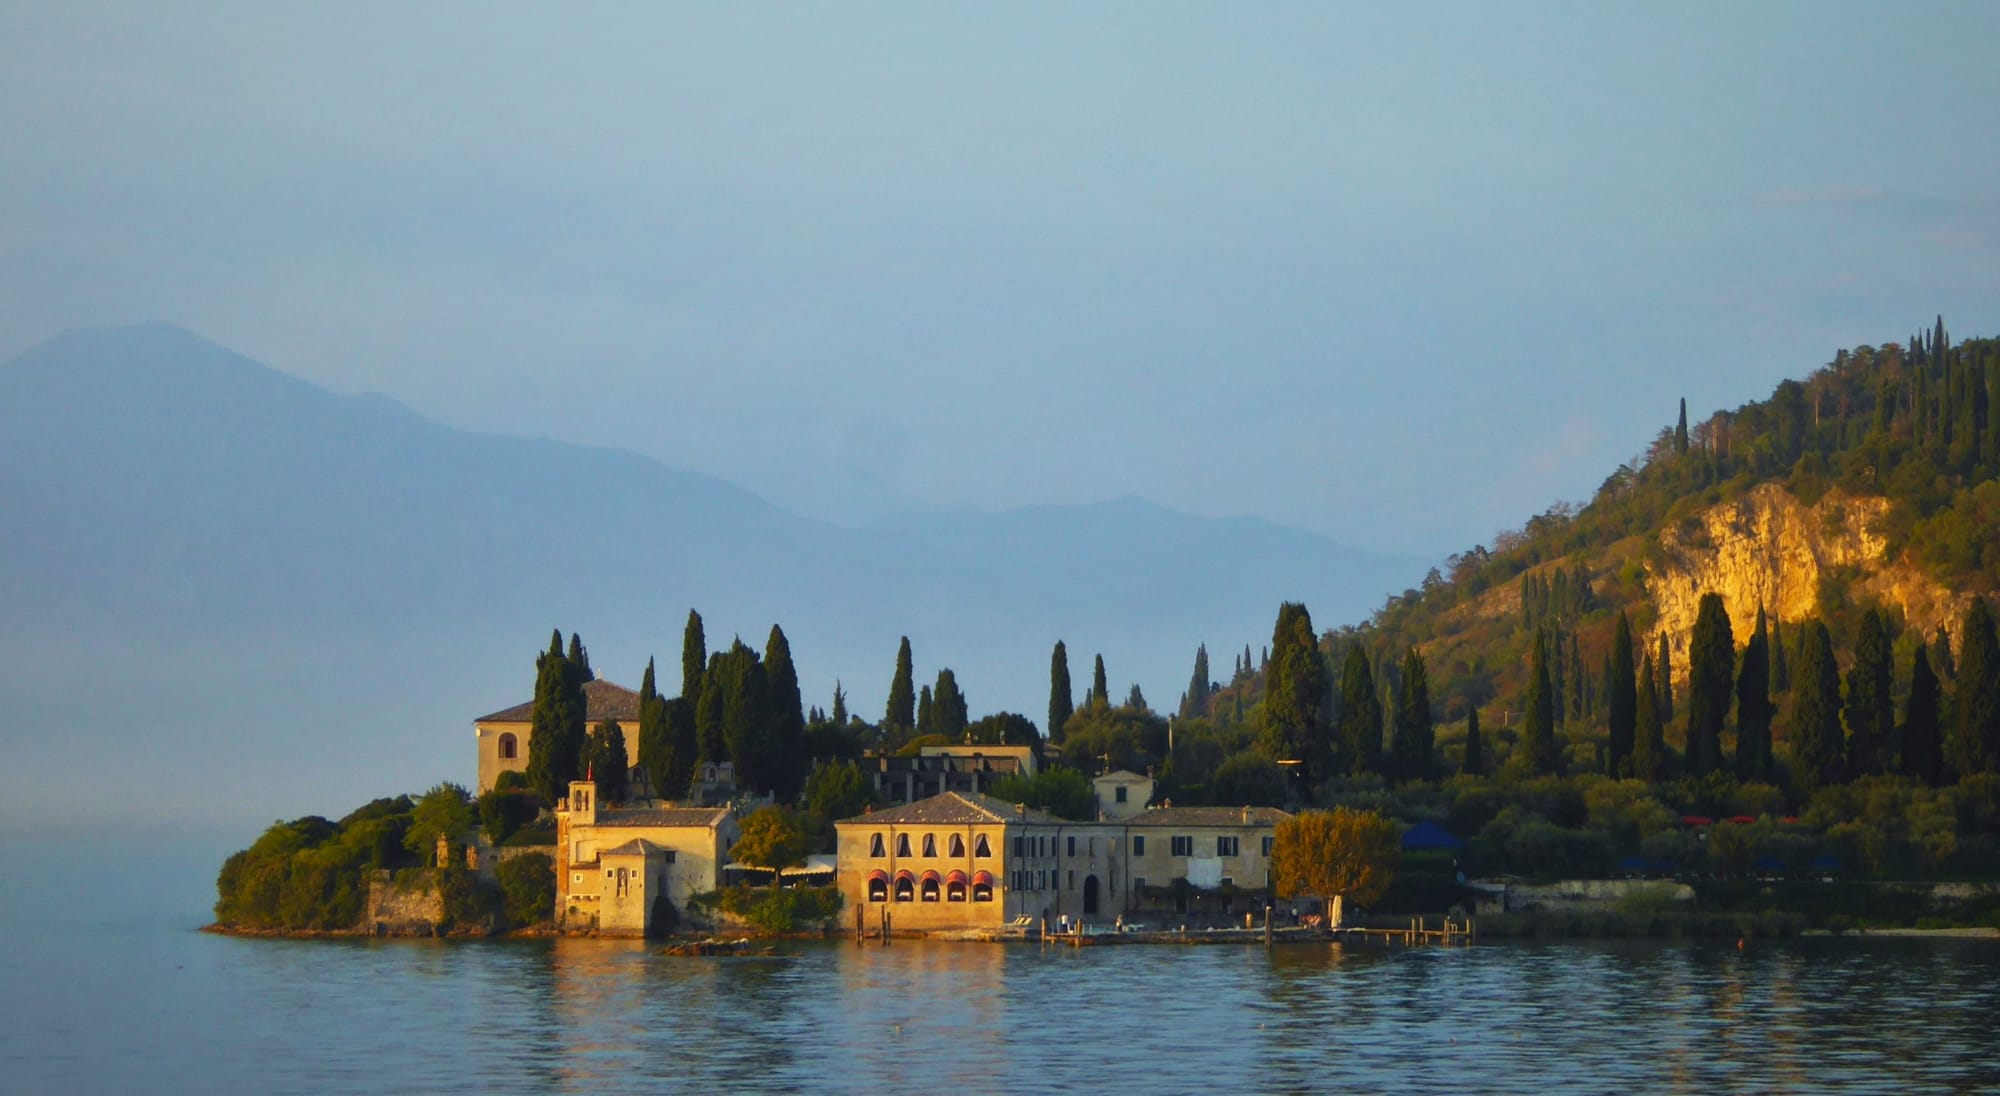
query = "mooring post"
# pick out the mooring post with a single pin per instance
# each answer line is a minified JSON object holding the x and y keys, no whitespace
{"x":857,"y":926}
{"x":1267,"y":926}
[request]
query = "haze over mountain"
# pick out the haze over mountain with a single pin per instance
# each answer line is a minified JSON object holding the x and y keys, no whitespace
{"x":248,"y":596}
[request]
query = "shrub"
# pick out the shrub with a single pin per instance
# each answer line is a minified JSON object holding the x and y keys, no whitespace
{"x":527,"y":888}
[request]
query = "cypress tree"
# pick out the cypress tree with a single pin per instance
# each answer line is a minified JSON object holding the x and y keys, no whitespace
{"x":1942,"y":662}
{"x":902,"y":712}
{"x":579,"y":659}
{"x":839,"y":705}
{"x":694,"y":658}
{"x":1871,"y":710}
{"x":1475,"y":750}
{"x":1557,"y":677}
{"x":1060,"y":706}
{"x":1649,"y":740}
{"x":1923,"y":750}
{"x":1817,"y":750}
{"x":1681,"y":430}
{"x":550,"y":766}
{"x":1414,"y":734}
{"x":656,"y":744}
{"x":1100,"y":693}
{"x":1538,"y":734}
{"x":1296,"y":725}
{"x":607,"y":761}
{"x":1360,"y":715}
{"x":747,"y":721}
{"x":1573,"y":693}
{"x":1781,"y":665}
{"x":926,"y":713}
{"x":710,"y":713}
{"x":1974,"y":743}
{"x":1754,"y":709}
{"x":948,"y":712}
{"x":1196,"y":701}
{"x":1711,"y":673}
{"x":1663,"y":683}
{"x":787,"y":763}
{"x":1622,"y":719}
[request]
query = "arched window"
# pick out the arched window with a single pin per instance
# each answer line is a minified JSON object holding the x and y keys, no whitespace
{"x":981,"y":849}
{"x":957,"y":845}
{"x":954,"y":887}
{"x":509,"y":748}
{"x":906,"y":887}
{"x":875,"y":846}
{"x":982,"y":886}
{"x":878,"y":886}
{"x":902,"y":844}
{"x":930,"y":886}
{"x":930,"y":844}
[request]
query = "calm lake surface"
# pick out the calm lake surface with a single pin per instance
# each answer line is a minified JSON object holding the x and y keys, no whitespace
{"x":105,"y":987}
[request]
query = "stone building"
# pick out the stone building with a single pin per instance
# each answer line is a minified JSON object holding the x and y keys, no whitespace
{"x":967,"y":861}
{"x":936,"y":770}
{"x":503,"y":736}
{"x":614,"y":866}
{"x":1122,"y":794}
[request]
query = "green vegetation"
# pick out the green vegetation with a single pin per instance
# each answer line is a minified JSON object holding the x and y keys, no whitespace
{"x":790,"y":909}
{"x":1347,"y":853}
{"x":772,"y":838}
{"x":1061,"y":792}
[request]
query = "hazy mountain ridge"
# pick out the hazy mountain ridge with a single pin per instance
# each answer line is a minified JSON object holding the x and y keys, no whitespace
{"x":171,"y":505}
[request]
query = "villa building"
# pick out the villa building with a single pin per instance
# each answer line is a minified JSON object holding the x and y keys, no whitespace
{"x":1122,"y":794}
{"x":968,"y":770}
{"x":503,"y":736}
{"x":615,"y":865}
{"x":967,"y":861}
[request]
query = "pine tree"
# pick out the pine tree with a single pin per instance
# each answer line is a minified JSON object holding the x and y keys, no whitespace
{"x":1923,"y":750}
{"x":694,"y":658}
{"x":1360,"y":718}
{"x":1649,"y":741}
{"x":1060,"y":706}
{"x":1475,"y":750}
{"x":1711,"y":673}
{"x":901,"y":717}
{"x":1871,"y":705}
{"x":1414,"y":734}
{"x":1100,"y":693}
{"x":786,"y":772}
{"x":1623,"y":701}
{"x":1974,"y":742}
{"x":1538,"y":733}
{"x":1754,"y":709}
{"x":948,"y":713}
{"x":1817,"y":750}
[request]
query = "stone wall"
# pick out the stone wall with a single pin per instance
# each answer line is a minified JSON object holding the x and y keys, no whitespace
{"x":416,"y":910}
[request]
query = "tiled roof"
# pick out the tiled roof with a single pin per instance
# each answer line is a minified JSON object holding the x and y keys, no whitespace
{"x":638,"y":846}
{"x":953,"y":809}
{"x":697,"y":817}
{"x":1208,"y":816}
{"x":1123,"y":776}
{"x":601,"y":700}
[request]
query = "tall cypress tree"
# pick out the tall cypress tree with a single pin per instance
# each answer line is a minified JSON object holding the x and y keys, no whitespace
{"x":1574,"y":695}
{"x":1060,"y":702}
{"x":787,"y":771}
{"x":1663,"y":681}
{"x":1681,"y":430}
{"x":1623,"y":702}
{"x":1974,"y":743}
{"x":579,"y":659}
{"x":1296,"y":725}
{"x":1475,"y":750}
{"x":1538,"y":733}
{"x":1649,"y":740}
{"x":1711,"y":673}
{"x":550,"y":766}
{"x":926,"y":713}
{"x":747,"y":722}
{"x":1100,"y":693}
{"x":1360,"y":715}
{"x":1871,"y":704}
{"x":1414,"y":735}
{"x":656,"y":744}
{"x":839,"y":705}
{"x":1817,"y":750}
{"x":606,"y":761}
{"x":1195,"y":703}
{"x":1923,"y":749}
{"x":948,"y":713}
{"x":1754,"y":709}
{"x":1781,"y":665}
{"x":711,"y":713}
{"x":694,"y":658}
{"x":901,"y":717}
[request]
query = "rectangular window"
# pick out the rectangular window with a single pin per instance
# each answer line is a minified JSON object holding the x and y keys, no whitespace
{"x":1225,"y":846}
{"x":1228,"y":882}
{"x":1138,"y":884}
{"x":1072,"y":879}
{"x":1138,"y":844}
{"x":1182,"y":845}
{"x":1041,"y":880}
{"x":1119,"y":794}
{"x":1267,"y":846}
{"x":1072,"y":846}
{"x":1017,"y":844}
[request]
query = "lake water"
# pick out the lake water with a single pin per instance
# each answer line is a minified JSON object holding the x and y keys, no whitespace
{"x":105,"y":987}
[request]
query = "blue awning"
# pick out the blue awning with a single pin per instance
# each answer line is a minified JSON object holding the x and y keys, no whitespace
{"x":1429,"y":835}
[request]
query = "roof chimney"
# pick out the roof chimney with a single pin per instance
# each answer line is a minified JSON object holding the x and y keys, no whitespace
{"x":1021,"y":809}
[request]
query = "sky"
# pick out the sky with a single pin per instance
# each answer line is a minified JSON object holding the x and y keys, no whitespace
{"x":1400,"y":274}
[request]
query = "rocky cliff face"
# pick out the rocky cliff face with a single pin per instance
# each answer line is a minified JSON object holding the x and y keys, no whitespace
{"x":1768,"y":548}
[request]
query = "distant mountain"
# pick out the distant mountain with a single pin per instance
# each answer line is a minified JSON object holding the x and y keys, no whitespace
{"x":244,"y":571}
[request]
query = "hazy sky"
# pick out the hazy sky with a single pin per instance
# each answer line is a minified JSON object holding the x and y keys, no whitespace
{"x":1403,"y":277}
